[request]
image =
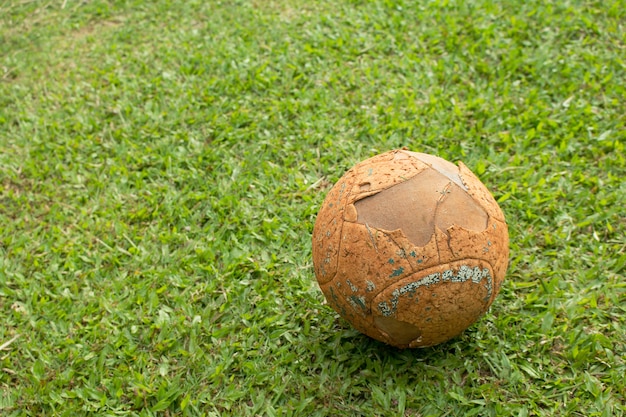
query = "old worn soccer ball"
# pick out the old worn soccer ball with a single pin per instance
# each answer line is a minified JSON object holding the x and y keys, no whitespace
{"x":410,"y":248}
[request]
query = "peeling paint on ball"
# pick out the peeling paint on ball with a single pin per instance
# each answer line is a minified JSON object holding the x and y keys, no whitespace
{"x":410,"y":248}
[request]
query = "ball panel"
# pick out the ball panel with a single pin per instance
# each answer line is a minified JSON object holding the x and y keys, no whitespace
{"x":499,"y":253}
{"x":396,"y":332}
{"x":327,"y":232}
{"x":480,"y":193}
{"x":491,"y":245}
{"x":440,"y":302}
{"x":455,"y":207}
{"x":359,"y":279}
{"x":383,"y":260}
{"x":440,"y":165}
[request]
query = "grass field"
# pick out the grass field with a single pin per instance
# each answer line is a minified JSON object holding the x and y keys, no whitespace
{"x":162,"y":164}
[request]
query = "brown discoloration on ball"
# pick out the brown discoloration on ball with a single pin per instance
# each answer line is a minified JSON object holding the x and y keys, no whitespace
{"x":420,"y":203}
{"x":410,"y":248}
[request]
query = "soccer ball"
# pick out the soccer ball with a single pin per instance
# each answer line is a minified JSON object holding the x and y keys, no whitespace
{"x":410,"y":248}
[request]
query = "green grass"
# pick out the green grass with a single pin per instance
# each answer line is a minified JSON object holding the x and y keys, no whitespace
{"x":162,"y":163}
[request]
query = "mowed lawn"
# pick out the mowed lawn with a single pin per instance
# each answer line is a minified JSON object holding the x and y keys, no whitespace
{"x":162,"y":164}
